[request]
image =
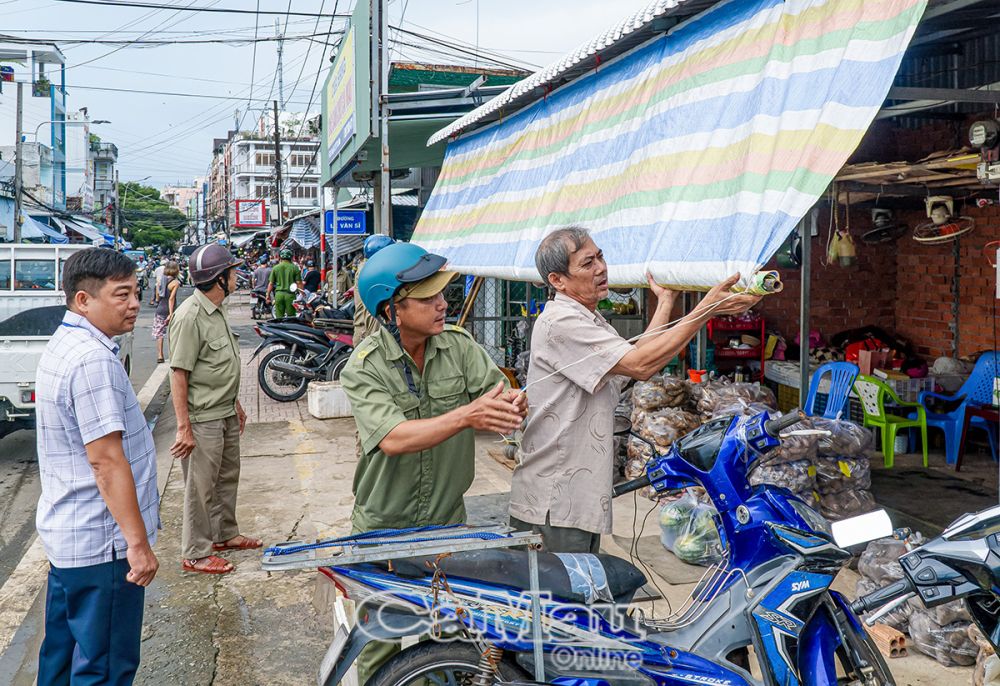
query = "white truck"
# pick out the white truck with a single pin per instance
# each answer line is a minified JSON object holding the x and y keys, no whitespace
{"x":32,"y":304}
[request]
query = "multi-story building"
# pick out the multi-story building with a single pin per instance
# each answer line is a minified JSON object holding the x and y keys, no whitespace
{"x":79,"y":163}
{"x":41,"y":67}
{"x":105,"y":159}
{"x":244,"y":167}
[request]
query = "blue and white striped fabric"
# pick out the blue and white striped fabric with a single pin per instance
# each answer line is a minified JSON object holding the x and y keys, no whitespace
{"x":692,"y":156}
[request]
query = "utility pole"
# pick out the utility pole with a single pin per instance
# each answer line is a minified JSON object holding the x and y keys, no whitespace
{"x":118,"y":211}
{"x":18,"y":163}
{"x":277,"y":166}
{"x":385,"y":208}
{"x":281,"y":74}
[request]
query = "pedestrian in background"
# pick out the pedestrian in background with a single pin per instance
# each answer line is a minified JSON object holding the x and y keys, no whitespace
{"x":158,"y":279}
{"x":205,"y":385}
{"x":98,"y":512}
{"x":280,"y":283}
{"x":312,"y":279}
{"x":166,"y":303}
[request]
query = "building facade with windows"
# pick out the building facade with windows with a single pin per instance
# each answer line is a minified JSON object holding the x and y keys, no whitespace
{"x":244,"y":167}
{"x":41,"y":68}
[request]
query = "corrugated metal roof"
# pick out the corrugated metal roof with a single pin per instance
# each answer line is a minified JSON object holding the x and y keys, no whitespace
{"x":623,"y":36}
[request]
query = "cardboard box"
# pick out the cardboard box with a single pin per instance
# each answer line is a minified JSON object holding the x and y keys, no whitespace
{"x":870,"y":360}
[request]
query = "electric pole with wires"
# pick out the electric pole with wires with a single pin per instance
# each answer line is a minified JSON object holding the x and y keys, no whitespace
{"x":18,"y":162}
{"x":277,"y":166}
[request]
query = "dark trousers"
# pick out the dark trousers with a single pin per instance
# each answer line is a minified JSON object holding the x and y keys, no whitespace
{"x":93,"y":626}
{"x":561,"y":539}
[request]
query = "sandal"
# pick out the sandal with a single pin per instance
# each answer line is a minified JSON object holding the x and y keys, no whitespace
{"x":244,"y":543}
{"x":213,"y":565}
{"x":159,"y":360}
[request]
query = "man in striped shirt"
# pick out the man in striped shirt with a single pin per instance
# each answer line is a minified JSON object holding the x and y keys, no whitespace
{"x":99,"y":509}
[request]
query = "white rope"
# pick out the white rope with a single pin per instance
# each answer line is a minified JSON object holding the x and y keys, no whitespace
{"x":651,"y":332}
{"x":510,"y":440}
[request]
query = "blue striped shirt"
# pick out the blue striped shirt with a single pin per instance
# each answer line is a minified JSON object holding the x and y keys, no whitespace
{"x":82,"y":393}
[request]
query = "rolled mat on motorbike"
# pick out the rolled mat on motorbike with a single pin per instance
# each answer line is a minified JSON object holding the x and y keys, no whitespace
{"x":771,"y":594}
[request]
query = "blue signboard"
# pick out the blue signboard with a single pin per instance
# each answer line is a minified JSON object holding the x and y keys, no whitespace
{"x":349,"y":223}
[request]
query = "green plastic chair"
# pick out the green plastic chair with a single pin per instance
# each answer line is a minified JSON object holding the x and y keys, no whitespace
{"x":873,"y":393}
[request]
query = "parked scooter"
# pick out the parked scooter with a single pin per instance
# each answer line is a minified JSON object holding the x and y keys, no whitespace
{"x":243,"y":278}
{"x":304,"y":353}
{"x":260,"y":308}
{"x":770,"y":598}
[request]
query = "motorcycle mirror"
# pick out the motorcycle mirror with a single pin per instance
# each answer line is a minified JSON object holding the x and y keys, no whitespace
{"x":294,"y":287}
{"x":861,"y":529}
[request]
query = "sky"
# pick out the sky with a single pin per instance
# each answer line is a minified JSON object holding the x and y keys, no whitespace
{"x":168,"y":138}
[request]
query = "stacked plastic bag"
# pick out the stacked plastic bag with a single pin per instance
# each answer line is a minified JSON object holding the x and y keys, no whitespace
{"x":688,"y":528}
{"x":843,"y":470}
{"x":941,"y":632}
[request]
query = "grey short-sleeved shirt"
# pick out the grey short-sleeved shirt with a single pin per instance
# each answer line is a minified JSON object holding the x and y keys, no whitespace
{"x":567,"y":461}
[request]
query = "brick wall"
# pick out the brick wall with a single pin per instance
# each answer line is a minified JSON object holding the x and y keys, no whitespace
{"x":904,"y":287}
{"x":841,"y":297}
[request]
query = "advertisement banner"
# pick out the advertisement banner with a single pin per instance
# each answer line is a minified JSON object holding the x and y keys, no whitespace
{"x":251,"y":213}
{"x":340,"y":124}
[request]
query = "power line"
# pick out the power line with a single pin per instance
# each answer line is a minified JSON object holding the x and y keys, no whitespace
{"x":228,"y":10}
{"x":176,"y":94}
{"x":118,"y":49}
{"x":137,"y":41}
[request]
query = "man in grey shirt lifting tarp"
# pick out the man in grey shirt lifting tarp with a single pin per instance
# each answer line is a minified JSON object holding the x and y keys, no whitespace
{"x":562,"y":486}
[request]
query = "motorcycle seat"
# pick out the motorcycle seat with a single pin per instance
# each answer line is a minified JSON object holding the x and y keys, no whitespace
{"x":509,"y":568}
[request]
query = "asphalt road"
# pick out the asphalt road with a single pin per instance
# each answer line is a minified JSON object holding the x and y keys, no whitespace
{"x":19,"y":485}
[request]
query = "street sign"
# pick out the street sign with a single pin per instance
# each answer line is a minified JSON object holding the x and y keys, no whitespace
{"x":349,"y":223}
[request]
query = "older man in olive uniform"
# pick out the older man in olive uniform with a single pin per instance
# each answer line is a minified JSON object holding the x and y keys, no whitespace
{"x":205,"y":384}
{"x":416,"y":401}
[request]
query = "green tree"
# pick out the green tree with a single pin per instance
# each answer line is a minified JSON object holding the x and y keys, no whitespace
{"x":148,"y":220}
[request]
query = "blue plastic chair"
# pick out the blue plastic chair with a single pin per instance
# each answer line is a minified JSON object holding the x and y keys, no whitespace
{"x":842,"y":376}
{"x":977,"y":389}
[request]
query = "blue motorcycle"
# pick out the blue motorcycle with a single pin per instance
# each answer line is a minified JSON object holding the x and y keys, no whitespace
{"x":766,"y":610}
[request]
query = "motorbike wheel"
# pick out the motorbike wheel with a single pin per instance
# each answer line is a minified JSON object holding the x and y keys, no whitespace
{"x":279,"y":385}
{"x":440,"y":663}
{"x":336,"y":366}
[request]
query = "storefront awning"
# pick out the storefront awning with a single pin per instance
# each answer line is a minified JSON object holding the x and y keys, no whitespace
{"x":82,"y":227}
{"x":41,"y":230}
{"x":693,"y":155}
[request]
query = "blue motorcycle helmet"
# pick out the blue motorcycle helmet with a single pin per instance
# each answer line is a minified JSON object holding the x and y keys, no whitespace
{"x":400,"y":267}
{"x":375,"y":243}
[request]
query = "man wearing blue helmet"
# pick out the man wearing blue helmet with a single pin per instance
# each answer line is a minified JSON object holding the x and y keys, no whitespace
{"x":418,"y":389}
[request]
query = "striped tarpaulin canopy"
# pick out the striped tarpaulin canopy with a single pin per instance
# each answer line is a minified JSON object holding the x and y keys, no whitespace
{"x":693,"y":156}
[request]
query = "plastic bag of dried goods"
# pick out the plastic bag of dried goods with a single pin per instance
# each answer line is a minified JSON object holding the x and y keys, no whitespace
{"x":798,"y":476}
{"x":844,"y":504}
{"x":676,"y":391}
{"x":880,"y":561}
{"x":649,"y":395}
{"x":836,"y":474}
{"x":949,"y":644}
{"x":846,"y":438}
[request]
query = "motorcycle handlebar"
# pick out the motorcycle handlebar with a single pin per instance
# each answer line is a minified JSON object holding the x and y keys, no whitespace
{"x":773,"y":427}
{"x":629,"y":486}
{"x":882,"y":596}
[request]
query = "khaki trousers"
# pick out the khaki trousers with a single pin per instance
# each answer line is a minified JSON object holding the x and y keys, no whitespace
{"x":211,"y":478}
